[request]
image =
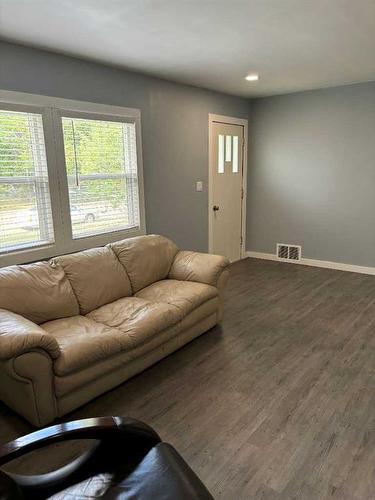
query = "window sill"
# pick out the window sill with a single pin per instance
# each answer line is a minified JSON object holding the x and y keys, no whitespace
{"x":33,"y":254}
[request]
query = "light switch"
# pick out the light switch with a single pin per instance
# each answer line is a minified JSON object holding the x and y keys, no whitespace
{"x":199,"y":186}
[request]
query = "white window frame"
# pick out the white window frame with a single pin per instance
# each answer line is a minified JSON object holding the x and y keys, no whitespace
{"x":51,"y":109}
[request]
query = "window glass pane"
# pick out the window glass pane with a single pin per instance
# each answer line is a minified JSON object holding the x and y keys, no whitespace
{"x":228,"y":148}
{"x":25,"y":205}
{"x":235,"y":155}
{"x":101,"y":164}
{"x":220,"y":149}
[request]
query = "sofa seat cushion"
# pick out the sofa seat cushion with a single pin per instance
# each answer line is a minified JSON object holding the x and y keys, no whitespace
{"x":83,"y":341}
{"x":185,"y":295}
{"x":93,"y":379}
{"x":137,"y":318}
{"x":121,"y":326}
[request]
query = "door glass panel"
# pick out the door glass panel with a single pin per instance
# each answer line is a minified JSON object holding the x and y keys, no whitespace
{"x":235,"y":155}
{"x":220,"y":163}
{"x":228,"y":148}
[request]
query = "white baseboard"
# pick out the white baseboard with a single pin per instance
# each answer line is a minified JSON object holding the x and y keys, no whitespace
{"x":316,"y":263}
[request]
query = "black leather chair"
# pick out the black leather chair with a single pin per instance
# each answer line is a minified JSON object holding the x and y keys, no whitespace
{"x":128,"y":460}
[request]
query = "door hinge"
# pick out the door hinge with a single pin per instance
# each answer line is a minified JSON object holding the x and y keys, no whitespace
{"x":241,"y":240}
{"x":242,"y":194}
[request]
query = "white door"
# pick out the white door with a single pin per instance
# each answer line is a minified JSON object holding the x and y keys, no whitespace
{"x":226,"y":164}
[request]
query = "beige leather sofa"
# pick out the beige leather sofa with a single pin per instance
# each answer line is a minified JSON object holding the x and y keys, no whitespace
{"x":77,"y":326}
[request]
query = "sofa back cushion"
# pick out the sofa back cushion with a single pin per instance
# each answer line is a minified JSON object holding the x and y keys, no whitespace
{"x":146,"y":258}
{"x":39,"y":292}
{"x":96,"y":276}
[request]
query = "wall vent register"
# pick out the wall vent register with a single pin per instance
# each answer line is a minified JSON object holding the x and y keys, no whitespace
{"x":288,"y":252}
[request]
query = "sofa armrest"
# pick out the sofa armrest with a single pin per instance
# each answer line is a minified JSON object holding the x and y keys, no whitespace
{"x":199,"y":267}
{"x":19,"y":335}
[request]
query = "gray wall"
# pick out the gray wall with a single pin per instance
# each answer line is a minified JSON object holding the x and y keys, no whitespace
{"x":311,"y":177}
{"x":174,"y":129}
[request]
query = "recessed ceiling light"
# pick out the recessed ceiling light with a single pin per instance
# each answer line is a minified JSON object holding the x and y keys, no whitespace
{"x":253,"y":77}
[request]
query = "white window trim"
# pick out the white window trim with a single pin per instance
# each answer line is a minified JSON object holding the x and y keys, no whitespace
{"x":51,"y":108}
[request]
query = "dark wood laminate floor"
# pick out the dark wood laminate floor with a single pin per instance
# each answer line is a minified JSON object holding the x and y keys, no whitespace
{"x":277,"y":403}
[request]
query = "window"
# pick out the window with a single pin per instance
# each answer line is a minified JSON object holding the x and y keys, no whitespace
{"x":101,"y":165}
{"x":70,"y":176}
{"x":25,"y":205}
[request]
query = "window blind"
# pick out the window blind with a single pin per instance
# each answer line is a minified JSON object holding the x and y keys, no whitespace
{"x":101,"y":168}
{"x":25,"y":204}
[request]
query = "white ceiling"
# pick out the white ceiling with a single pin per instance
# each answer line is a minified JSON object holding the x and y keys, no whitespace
{"x":293,"y":44}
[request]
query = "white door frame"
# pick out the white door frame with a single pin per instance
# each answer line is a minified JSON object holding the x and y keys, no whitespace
{"x":212,"y":118}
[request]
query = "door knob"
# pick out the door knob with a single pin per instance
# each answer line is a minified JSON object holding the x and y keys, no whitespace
{"x":215,"y":208}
